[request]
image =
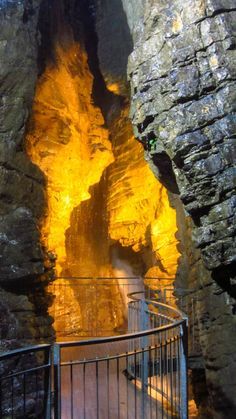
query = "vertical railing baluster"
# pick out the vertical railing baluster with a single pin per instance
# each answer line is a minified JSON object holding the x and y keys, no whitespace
{"x":36,"y":391}
{"x":97,"y":392}
{"x":179,"y":378}
{"x":118,"y":385}
{"x":57,"y":380}
{"x":167,"y":375}
{"x":127,"y":387}
{"x":171,"y":377}
{"x":71,"y":391}
{"x":156,"y":371}
{"x":84,"y":389}
{"x":1,"y":400}
{"x":150,"y":378}
{"x":108,"y":390}
{"x":161,"y":379}
{"x":184,"y":370}
{"x":135,"y":383}
{"x":175,"y":375}
{"x":12,"y":397}
{"x":48,"y":356}
{"x":24,"y":392}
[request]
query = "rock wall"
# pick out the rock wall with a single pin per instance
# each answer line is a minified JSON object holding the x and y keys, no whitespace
{"x":182,"y":74}
{"x":21,"y":183}
{"x":182,"y":77}
{"x":22,"y":195}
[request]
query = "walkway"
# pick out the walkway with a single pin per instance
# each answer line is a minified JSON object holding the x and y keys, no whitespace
{"x":140,"y":375}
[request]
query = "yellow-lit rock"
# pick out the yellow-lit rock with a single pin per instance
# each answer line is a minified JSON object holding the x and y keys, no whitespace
{"x":139,"y":211}
{"x":100,"y":192}
{"x":67,"y":141}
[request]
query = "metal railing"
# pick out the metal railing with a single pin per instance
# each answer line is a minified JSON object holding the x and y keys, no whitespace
{"x":138,"y":375}
{"x":25,"y":384}
{"x":94,"y":293}
{"x":69,"y":294}
{"x":142,"y":374}
{"x":187,"y":301}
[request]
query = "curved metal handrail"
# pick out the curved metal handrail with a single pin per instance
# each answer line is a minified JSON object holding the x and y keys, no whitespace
{"x":132,"y":296}
{"x":121,"y":337}
{"x":149,"y":349}
{"x":24,"y":351}
{"x":182,"y":319}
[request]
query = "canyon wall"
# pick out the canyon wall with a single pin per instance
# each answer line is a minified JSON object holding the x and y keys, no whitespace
{"x":182,"y":76}
{"x":182,"y":79}
{"x":22,"y":184}
{"x":181,"y":69}
{"x":24,"y":318}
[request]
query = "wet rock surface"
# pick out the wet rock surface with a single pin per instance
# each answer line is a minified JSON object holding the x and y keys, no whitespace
{"x":22,"y":184}
{"x":182,"y":75}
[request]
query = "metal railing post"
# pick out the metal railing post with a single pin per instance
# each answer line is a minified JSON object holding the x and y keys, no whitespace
{"x":184,"y":370}
{"x":48,"y":384}
{"x":144,"y":325}
{"x":57,"y":380}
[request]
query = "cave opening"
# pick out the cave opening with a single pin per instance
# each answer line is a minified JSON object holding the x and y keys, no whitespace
{"x":107,"y":216}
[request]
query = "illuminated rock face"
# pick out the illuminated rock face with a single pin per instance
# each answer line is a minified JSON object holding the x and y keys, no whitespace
{"x":67,"y":141}
{"x":139,"y":212}
{"x":100,"y":192}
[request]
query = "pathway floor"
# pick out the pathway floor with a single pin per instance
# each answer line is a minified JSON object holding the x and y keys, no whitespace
{"x":101,"y":390}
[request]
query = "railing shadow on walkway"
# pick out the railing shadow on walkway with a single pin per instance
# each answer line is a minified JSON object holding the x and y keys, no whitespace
{"x":138,"y":375}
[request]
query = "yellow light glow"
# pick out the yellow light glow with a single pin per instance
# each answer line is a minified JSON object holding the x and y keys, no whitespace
{"x":67,"y":141}
{"x":139,"y":211}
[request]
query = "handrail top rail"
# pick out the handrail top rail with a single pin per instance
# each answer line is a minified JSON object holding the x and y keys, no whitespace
{"x":133,"y":335}
{"x":157,"y":303}
{"x":26,"y":350}
{"x":117,"y":338}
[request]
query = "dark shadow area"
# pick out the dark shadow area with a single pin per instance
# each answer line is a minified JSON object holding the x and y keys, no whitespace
{"x":48,"y":29}
{"x":82,"y":18}
{"x":167,"y":177}
{"x":225,"y":277}
{"x":199,"y":392}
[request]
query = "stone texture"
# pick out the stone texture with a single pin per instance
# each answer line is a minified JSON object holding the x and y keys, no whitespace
{"x":183,"y":92}
{"x":22,"y":325}
{"x":24,"y":318}
{"x":21,"y":183}
{"x":182,"y":75}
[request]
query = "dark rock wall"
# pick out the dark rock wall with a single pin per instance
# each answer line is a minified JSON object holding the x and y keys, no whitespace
{"x":182,"y":74}
{"x":114,"y":65}
{"x":21,"y":183}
